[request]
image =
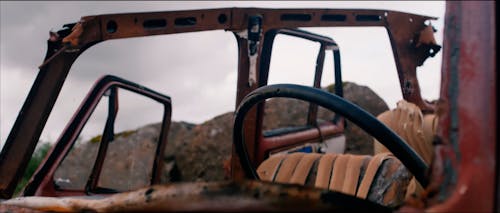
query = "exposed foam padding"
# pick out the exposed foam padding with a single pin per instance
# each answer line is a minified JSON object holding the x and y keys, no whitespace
{"x":268,"y":169}
{"x":409,"y":123}
{"x":287,"y":167}
{"x":324,"y":171}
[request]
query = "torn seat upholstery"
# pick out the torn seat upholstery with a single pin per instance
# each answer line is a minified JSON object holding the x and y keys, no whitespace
{"x":364,"y":176}
{"x":381,"y":178}
{"x":416,"y":129}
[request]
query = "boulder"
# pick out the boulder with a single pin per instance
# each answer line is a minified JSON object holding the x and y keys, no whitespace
{"x":198,"y":152}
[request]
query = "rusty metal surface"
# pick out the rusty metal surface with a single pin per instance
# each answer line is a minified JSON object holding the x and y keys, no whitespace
{"x":264,"y":145}
{"x":464,"y":168}
{"x":128,"y":25}
{"x":247,"y":196}
{"x":402,"y":33}
{"x":26,"y":131}
{"x":94,"y":29}
{"x":42,"y":181}
{"x":16,"y":209}
{"x":269,"y":144}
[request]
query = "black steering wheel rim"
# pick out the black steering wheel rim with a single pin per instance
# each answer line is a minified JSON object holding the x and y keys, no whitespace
{"x":406,"y":154}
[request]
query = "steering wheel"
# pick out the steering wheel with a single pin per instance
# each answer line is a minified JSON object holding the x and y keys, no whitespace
{"x":412,"y":161}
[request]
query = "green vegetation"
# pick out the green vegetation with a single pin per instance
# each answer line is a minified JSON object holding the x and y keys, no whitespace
{"x":41,"y":150}
{"x":96,"y":139}
{"x":331,"y":87}
{"x":124,"y":134}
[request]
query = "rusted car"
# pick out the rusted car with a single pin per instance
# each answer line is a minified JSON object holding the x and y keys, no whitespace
{"x":461,"y":175}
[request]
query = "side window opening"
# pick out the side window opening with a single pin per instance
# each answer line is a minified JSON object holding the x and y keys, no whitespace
{"x":288,"y":65}
{"x":77,"y":165}
{"x":304,"y":60}
{"x":129,"y":157}
{"x":214,"y":97}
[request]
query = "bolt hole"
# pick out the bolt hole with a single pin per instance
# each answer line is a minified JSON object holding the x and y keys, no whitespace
{"x":222,"y":18}
{"x":111,"y":27}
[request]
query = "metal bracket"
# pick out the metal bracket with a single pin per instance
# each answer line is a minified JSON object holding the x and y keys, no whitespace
{"x":254,"y":34}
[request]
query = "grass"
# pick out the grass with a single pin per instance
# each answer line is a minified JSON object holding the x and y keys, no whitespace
{"x":98,"y":138}
{"x":35,"y":160}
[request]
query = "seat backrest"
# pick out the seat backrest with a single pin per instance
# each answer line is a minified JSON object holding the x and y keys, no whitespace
{"x":410,"y":124}
{"x":416,"y":129}
{"x":364,"y":176}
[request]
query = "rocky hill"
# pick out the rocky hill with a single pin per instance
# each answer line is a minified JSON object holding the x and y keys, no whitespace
{"x":197,"y":152}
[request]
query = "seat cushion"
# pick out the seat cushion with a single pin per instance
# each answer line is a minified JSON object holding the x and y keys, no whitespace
{"x":380,"y":178}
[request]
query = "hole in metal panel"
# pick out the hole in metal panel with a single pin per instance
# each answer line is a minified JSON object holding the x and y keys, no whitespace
{"x":152,"y":24}
{"x":188,"y":21}
{"x":295,"y":17}
{"x":222,"y":18}
{"x":368,"y":18}
{"x":111,"y":26}
{"x":333,"y":17}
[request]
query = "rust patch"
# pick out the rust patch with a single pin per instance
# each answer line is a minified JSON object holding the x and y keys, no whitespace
{"x":201,"y":196}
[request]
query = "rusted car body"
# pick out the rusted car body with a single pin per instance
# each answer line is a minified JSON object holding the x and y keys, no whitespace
{"x":464,"y":174}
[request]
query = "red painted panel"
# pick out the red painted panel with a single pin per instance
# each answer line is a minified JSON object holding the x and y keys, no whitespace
{"x":468,"y":110}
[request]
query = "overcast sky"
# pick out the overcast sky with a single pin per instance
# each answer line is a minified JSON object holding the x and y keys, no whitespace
{"x":198,"y":70}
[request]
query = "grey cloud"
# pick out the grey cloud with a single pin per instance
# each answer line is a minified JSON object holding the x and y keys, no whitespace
{"x":196,"y":69}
